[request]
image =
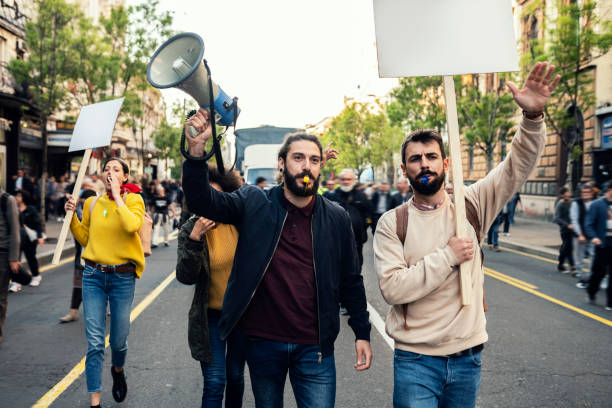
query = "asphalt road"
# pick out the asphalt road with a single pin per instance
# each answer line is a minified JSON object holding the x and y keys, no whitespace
{"x":541,"y":352}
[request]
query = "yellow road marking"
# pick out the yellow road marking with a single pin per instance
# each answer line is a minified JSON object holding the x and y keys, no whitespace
{"x":63,"y":261}
{"x":78,"y":369}
{"x":504,"y":277}
{"x":552,"y":261}
{"x":515,"y":282}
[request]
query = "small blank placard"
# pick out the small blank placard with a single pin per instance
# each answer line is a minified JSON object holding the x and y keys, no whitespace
{"x":95,"y":125}
{"x":444,"y":37}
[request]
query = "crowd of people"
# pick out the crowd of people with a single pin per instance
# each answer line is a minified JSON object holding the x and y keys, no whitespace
{"x":585,"y":223}
{"x":274,"y":266}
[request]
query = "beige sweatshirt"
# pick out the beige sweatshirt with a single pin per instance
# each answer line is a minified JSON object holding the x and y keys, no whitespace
{"x":423,"y":272}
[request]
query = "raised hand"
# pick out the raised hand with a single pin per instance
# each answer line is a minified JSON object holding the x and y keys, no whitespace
{"x":329,"y":154}
{"x":537,"y":88}
{"x":201,"y":227}
{"x":200,"y":122}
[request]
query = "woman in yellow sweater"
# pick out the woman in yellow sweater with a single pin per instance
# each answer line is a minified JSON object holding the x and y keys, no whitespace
{"x":113,"y":260}
{"x":205,"y":258}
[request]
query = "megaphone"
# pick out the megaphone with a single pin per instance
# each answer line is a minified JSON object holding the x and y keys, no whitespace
{"x":178,"y":63}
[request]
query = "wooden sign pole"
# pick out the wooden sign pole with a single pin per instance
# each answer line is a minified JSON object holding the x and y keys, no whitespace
{"x":75,"y":192}
{"x":454,"y":146}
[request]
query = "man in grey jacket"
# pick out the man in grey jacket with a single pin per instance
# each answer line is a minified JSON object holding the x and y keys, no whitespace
{"x":9,"y":248}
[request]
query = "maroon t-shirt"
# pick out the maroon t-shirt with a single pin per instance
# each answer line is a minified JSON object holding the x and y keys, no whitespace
{"x":284,"y":307}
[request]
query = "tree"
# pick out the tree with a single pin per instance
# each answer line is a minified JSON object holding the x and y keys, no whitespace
{"x":574,"y":38}
{"x":49,"y":40}
{"x":167,"y":140}
{"x":418,"y":103}
{"x":486,"y":117}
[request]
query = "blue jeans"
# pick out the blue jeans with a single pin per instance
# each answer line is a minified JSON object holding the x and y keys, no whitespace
{"x":422,"y":381}
{"x":224,"y":368}
{"x":99,"y":288}
{"x":493,"y":234}
{"x":313,"y":380}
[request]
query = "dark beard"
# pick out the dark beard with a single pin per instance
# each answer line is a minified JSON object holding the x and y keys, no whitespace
{"x":291,"y":183}
{"x":432,"y":186}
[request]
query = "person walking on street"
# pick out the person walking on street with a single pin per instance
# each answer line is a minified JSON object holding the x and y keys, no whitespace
{"x":598,"y":228}
{"x":161,"y":205}
{"x":493,"y":234}
{"x":403,"y":193}
{"x":357,"y":205}
{"x":510,"y":211}
{"x":9,"y":249}
{"x":381,"y":203}
{"x":438,"y":341}
{"x":77,"y":277}
{"x":205,"y":257}
{"x":31,"y":233}
{"x":295,"y":263}
{"x":582,"y":246}
{"x":562,"y":218}
{"x":113,"y":260}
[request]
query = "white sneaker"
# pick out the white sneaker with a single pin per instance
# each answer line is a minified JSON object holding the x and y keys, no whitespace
{"x":36,"y":280}
{"x":15,"y":287}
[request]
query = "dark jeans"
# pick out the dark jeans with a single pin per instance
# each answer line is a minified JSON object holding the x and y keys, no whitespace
{"x":313,"y":378}
{"x":360,"y":253}
{"x":4,"y":285}
{"x":567,"y":247}
{"x":226,"y":370}
{"x":493,"y":234}
{"x":29,"y":250}
{"x":506,"y":220}
{"x":602,"y":266}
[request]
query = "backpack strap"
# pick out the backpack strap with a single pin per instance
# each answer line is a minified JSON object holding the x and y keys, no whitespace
{"x":401,"y":228}
{"x":91,"y":206}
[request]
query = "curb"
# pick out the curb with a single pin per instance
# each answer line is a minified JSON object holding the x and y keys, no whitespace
{"x":44,"y":258}
{"x":530,"y":249}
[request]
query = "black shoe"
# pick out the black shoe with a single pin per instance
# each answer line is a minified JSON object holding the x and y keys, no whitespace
{"x":119,"y":385}
{"x":591,"y":300}
{"x":166,"y":244}
{"x":153,"y":246}
{"x":562,"y":269}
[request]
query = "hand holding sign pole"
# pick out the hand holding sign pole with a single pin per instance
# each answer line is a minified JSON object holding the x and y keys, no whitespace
{"x":94,"y":128}
{"x":446,"y":37}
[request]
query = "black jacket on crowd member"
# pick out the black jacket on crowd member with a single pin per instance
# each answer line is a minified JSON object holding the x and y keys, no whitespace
{"x":259,"y":217}
{"x":193,"y":267}
{"x":376,"y":197}
{"x":26,"y":184}
{"x":359,"y":208}
{"x":397,"y":199}
{"x":31,"y":219}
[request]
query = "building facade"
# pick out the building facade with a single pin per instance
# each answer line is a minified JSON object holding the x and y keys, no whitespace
{"x":595,"y":123}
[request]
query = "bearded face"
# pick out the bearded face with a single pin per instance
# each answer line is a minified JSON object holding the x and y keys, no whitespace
{"x":291,"y":181}
{"x":428,"y":182}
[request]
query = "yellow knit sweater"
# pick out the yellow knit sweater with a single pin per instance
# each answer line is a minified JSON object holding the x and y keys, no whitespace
{"x":221,"y":243}
{"x":110,"y":235}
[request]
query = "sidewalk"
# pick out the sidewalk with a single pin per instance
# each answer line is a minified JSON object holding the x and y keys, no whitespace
{"x":45,"y":252}
{"x":533,"y":236}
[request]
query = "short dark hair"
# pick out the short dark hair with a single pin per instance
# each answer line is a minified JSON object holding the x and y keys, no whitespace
{"x":294,"y":137}
{"x":229,"y":181}
{"x":26,"y":197}
{"x":423,"y":136}
{"x":260,"y":179}
{"x":124,"y":165}
{"x":563,"y":190}
{"x":87,"y":193}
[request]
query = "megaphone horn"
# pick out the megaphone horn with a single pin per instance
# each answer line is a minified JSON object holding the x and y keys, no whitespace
{"x":178,"y":63}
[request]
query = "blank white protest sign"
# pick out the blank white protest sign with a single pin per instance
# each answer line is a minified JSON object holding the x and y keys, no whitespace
{"x":94,"y":128}
{"x":95,"y":125}
{"x":444,"y":37}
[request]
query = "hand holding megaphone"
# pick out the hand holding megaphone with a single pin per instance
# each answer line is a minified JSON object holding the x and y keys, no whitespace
{"x":200,"y":124}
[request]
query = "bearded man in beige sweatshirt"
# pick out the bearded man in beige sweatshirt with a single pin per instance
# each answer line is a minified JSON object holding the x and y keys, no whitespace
{"x":438,"y":342}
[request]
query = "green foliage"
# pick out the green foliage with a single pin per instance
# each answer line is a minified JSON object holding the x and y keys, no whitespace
{"x":49,"y":41}
{"x":486,"y":117}
{"x":418,"y":102}
{"x":364,"y":136}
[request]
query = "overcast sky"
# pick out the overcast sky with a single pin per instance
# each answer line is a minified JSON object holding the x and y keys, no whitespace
{"x":290,"y":63}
